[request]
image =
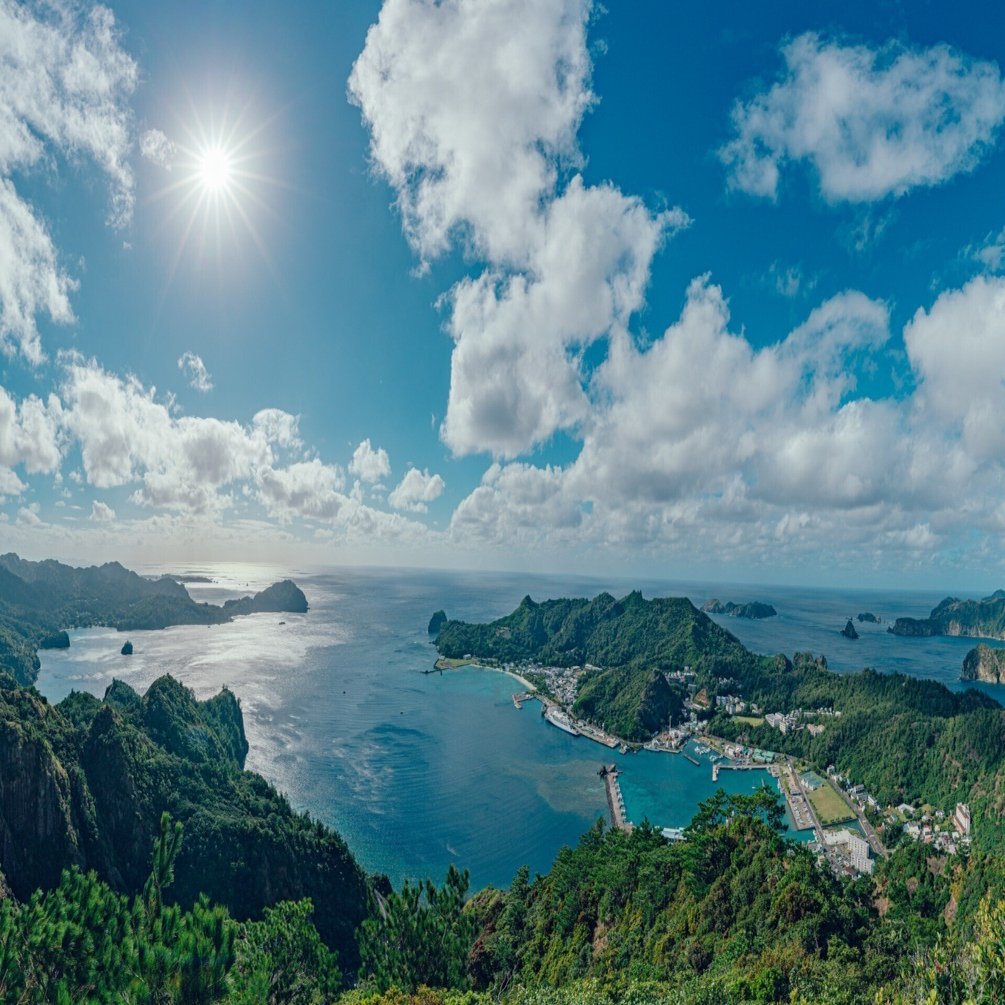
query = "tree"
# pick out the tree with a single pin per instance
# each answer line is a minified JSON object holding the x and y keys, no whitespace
{"x":421,"y":935}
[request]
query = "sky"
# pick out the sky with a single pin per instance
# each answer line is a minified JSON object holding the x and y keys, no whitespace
{"x":522,"y":284}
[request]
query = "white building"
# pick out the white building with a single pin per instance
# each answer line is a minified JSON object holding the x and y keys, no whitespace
{"x":961,"y":818}
{"x":854,"y":846}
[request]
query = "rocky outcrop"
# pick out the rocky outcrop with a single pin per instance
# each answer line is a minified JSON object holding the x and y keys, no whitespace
{"x":755,"y":609}
{"x":985,"y":664}
{"x":436,"y":622}
{"x":283,"y":597}
{"x":39,"y":836}
{"x":849,"y":630}
{"x":869,"y":618}
{"x":127,"y":649}
{"x":85,"y":784}
{"x":970,"y":618}
{"x":58,"y":640}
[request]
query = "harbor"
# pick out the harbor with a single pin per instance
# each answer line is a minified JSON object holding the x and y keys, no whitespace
{"x":657,"y":802}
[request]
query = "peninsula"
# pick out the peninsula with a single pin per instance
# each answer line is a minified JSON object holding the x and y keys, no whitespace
{"x":972,"y":618}
{"x":40,"y":600}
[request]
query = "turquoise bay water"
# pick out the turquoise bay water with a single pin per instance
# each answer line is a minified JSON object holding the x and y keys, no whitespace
{"x":420,"y":770}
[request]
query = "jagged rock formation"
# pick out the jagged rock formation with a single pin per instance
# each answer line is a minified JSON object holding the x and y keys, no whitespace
{"x":755,"y":609}
{"x":849,"y":630}
{"x":436,"y":622}
{"x":972,"y":618}
{"x":869,"y":618}
{"x":85,"y":784}
{"x":984,"y":663}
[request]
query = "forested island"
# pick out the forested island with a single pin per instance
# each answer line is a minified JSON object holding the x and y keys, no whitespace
{"x":975,"y":618}
{"x":40,"y":600}
{"x":904,"y":738}
{"x":141,"y":862}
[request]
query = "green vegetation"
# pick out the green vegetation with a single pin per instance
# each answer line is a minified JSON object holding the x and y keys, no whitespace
{"x":984,"y":663}
{"x":979,"y":618}
{"x":829,"y":806}
{"x":39,"y":600}
{"x":632,"y":640}
{"x":664,"y":633}
{"x":755,"y":609}
{"x":630,"y":703}
{"x":86,"y":783}
{"x":906,"y":740}
{"x":246,"y":902}
{"x":735,"y":913}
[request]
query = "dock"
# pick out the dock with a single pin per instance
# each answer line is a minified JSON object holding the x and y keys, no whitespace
{"x":519,"y":699}
{"x":716,"y":768}
{"x":697,"y":763}
{"x":615,"y":800}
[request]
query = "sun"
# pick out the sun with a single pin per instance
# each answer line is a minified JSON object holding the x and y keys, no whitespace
{"x":218,"y":187}
{"x":215,"y":170}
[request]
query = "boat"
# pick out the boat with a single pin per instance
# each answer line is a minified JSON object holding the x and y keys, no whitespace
{"x":558,"y":718}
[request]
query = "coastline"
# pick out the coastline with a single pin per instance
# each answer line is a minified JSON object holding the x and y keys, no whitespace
{"x":443,"y":663}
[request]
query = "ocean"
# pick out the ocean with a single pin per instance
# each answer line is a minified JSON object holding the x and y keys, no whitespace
{"x":420,"y":770}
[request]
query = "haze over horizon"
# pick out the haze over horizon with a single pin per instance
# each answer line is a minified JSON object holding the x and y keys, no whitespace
{"x":506,"y":285}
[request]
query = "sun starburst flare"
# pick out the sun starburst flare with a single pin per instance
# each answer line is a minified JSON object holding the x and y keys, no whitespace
{"x":217,"y":187}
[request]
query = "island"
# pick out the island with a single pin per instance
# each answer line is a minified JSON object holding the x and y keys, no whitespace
{"x":755,"y":609}
{"x":985,"y":664}
{"x":849,"y":630}
{"x":39,"y":601}
{"x":869,"y":618}
{"x":970,"y":618}
{"x":621,"y":671}
{"x":436,"y":622}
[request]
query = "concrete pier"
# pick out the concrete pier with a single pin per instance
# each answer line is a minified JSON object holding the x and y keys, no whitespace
{"x":615,"y":800}
{"x":716,"y":768}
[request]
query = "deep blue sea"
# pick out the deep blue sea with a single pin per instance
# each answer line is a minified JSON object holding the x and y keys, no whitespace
{"x":420,"y":770}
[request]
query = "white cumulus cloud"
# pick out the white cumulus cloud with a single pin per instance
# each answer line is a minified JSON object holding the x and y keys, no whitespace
{"x":473,"y":108}
{"x":64,"y":93}
{"x":872,"y":122}
{"x":101,"y":512}
{"x":126,"y":435}
{"x":416,"y":490}
{"x":368,"y":464}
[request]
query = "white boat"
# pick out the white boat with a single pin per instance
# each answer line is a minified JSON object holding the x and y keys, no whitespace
{"x":558,"y":718}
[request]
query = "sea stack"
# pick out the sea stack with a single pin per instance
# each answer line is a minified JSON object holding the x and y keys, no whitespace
{"x":849,"y":630}
{"x":127,"y":649}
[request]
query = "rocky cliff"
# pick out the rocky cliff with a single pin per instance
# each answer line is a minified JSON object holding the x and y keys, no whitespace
{"x":972,"y":618}
{"x":984,"y":663}
{"x":85,"y":783}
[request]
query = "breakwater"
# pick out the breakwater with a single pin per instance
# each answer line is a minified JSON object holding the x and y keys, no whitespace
{"x":615,"y":800}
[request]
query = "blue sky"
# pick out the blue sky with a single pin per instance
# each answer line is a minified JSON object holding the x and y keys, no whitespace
{"x":507,"y":284}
